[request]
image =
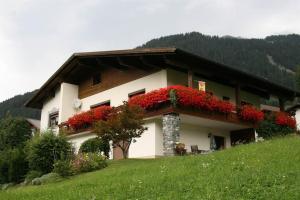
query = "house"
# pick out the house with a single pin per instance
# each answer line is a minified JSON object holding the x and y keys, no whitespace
{"x":89,"y":80}
{"x":34,"y":124}
{"x":295,"y":111}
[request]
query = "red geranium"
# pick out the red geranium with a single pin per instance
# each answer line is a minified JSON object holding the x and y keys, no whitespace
{"x":284,"y":119}
{"x":86,"y":119}
{"x":250,"y":113}
{"x":185,"y":97}
{"x":151,"y":99}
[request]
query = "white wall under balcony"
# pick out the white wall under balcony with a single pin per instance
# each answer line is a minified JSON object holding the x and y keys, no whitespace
{"x":144,"y":147}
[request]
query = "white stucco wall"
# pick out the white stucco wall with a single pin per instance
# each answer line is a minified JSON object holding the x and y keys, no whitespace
{"x":158,"y":138}
{"x":69,"y":93}
{"x":144,"y":147}
{"x":49,"y":106}
{"x":297,"y":116}
{"x":120,"y":93}
{"x":191,"y":134}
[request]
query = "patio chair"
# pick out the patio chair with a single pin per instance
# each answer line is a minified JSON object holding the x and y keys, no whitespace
{"x":195,"y":150}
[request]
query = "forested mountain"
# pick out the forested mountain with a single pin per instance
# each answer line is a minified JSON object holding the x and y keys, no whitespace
{"x":15,"y":107}
{"x":274,"y":57}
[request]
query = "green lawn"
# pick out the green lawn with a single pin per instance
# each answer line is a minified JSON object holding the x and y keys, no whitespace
{"x":268,"y":170}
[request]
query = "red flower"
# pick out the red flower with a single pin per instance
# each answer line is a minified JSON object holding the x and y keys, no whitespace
{"x":284,"y":119}
{"x":250,"y":113}
{"x":185,"y":97}
{"x":101,"y":112}
{"x":151,"y":99}
{"x":86,"y":119}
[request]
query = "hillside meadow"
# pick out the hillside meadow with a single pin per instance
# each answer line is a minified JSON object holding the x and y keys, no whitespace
{"x":266,"y":170}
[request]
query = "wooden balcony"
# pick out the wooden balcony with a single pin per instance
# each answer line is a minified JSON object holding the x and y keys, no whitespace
{"x":168,"y":108}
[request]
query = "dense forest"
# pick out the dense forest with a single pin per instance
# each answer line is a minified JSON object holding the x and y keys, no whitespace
{"x":274,"y":58}
{"x":15,"y":107}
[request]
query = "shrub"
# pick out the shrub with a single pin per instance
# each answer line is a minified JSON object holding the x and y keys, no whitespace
{"x":47,"y":178}
{"x":63,"y":168}
{"x":14,"y":132}
{"x":284,"y":119}
{"x":86,"y":162}
{"x":95,"y":145}
{"x":44,"y":149}
{"x":13,"y":166}
{"x":270,"y":127}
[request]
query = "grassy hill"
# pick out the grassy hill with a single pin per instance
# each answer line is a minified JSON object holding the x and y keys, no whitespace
{"x":267,"y":170}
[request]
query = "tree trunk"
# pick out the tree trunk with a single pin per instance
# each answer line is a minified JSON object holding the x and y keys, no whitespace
{"x":125,"y":154}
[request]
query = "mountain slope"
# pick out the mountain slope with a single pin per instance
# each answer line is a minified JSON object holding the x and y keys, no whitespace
{"x":274,"y":58}
{"x":15,"y":107}
{"x":267,"y":170}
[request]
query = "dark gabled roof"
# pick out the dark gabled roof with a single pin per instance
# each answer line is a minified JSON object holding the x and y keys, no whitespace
{"x":147,"y":58}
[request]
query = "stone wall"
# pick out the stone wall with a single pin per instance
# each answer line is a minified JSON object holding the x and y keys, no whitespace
{"x":171,"y":134}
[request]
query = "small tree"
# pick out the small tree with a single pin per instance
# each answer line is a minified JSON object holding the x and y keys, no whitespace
{"x":123,"y":124}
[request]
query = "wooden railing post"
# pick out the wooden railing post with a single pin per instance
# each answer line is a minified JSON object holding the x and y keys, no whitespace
{"x":190,"y":78}
{"x":238,"y":95}
{"x":281,"y":104}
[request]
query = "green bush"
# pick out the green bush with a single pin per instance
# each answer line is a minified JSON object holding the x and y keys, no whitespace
{"x":268,"y":128}
{"x":86,"y":162}
{"x":13,"y":166}
{"x":95,"y":145}
{"x":44,"y":149}
{"x":63,"y":168}
{"x":14,"y":132}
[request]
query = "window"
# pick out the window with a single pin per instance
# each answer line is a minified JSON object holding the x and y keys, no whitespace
{"x":53,"y":120}
{"x":226,"y":98}
{"x":104,"y":103}
{"x":136,"y":93}
{"x":96,"y":79}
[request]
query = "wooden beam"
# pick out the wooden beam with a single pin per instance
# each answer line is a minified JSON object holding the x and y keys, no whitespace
{"x":281,"y":104}
{"x":238,"y":95}
{"x":145,"y":62}
{"x":123,"y":63}
{"x":114,"y":64}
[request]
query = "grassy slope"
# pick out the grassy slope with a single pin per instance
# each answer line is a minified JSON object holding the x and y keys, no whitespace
{"x":268,"y":170}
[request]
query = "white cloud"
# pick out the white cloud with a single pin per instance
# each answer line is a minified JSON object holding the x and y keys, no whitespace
{"x":37,"y":36}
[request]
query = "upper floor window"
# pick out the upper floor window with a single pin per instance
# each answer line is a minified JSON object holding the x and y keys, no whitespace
{"x":96,"y":79}
{"x":104,"y":103}
{"x":136,"y":93}
{"x":53,"y":120}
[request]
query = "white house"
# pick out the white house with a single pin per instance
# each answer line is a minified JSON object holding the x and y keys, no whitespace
{"x":88,"y":80}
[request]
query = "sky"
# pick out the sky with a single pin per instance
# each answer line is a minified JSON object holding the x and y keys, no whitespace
{"x":37,"y":36}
